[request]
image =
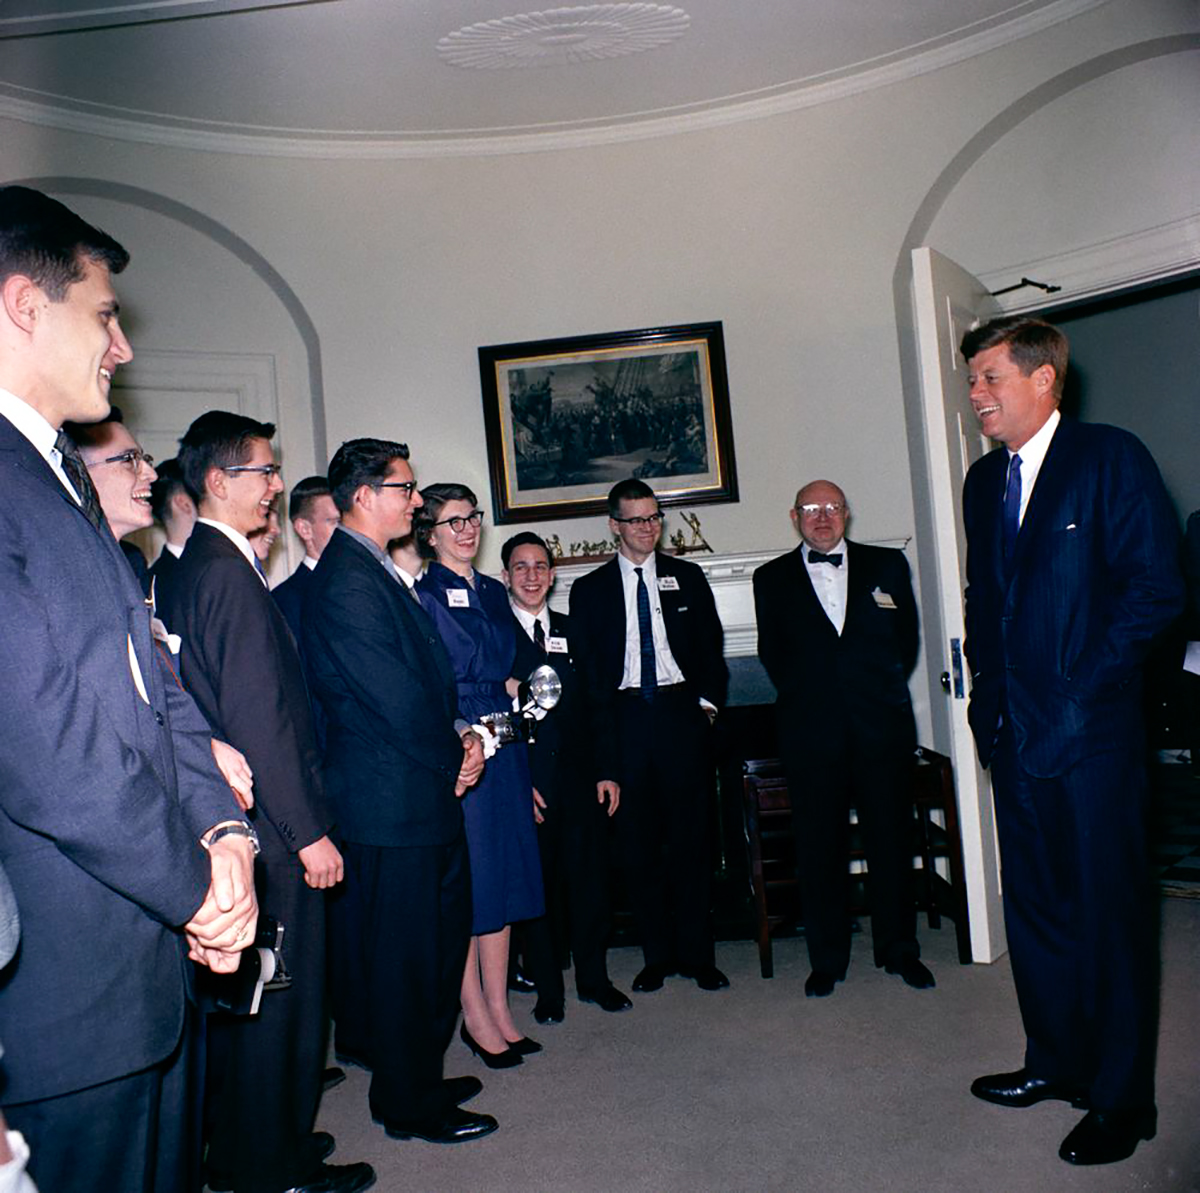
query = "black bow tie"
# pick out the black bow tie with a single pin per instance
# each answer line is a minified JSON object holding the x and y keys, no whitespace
{"x":820,"y":557}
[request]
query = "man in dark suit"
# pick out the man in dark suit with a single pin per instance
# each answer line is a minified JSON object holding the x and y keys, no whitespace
{"x":108,"y":787}
{"x":239,"y":661}
{"x":397,"y":756}
{"x":838,"y":635}
{"x":1072,"y":571}
{"x":572,"y":829}
{"x":174,"y":509}
{"x":649,"y":646}
{"x":314,"y":518}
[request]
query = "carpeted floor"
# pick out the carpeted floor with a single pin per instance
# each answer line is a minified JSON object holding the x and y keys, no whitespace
{"x":1175,"y":787}
{"x":758,"y":1088}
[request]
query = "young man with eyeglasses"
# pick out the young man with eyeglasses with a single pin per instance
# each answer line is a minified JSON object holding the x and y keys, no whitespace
{"x":240,"y":661}
{"x":838,"y":634}
{"x":649,"y":646}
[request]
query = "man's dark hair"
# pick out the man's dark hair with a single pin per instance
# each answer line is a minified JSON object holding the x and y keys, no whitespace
{"x":218,"y":439}
{"x":1031,"y":344}
{"x":630,"y":489}
{"x":360,"y":462}
{"x":436,"y":498}
{"x":304,"y":494}
{"x":169,"y":482}
{"x":49,"y":243}
{"x":525,"y":539}
{"x":89,"y":434}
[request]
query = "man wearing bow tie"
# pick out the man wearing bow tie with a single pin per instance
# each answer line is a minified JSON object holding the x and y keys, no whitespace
{"x":837,"y":634}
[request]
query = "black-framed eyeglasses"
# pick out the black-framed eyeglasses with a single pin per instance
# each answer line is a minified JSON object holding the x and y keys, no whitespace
{"x":267,"y":470}
{"x":459,"y":523}
{"x":407,"y":486}
{"x":131,"y":459}
{"x":830,"y":509}
{"x":649,"y":520}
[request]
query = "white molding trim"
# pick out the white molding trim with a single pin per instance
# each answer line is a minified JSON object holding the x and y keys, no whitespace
{"x":52,"y":111}
{"x":243,"y":381}
{"x":1151,"y":255}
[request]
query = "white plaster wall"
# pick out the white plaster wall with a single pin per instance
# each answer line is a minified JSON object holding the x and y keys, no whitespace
{"x":788,"y":229}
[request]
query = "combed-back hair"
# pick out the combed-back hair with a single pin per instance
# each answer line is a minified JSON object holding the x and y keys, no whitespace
{"x":1031,"y":344}
{"x":217,"y":439}
{"x":49,"y":244}
{"x":436,"y":498}
{"x":304,"y":494}
{"x":89,"y":434}
{"x":526,"y":538}
{"x":169,"y":482}
{"x":360,"y":462}
{"x":630,"y":489}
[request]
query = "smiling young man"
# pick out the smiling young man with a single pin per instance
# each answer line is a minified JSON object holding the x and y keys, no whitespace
{"x":314,"y":518}
{"x":1072,"y":572}
{"x":572,"y":828}
{"x":240,"y":662}
{"x":108,"y":787}
{"x":649,"y":646}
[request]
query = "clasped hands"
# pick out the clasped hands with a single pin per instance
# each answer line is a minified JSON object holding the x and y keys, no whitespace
{"x":227,"y":918}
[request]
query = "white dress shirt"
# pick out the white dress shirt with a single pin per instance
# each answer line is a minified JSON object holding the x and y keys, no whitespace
{"x":527,"y":619}
{"x":666,"y":669}
{"x":1032,"y":455}
{"x":831,"y":584}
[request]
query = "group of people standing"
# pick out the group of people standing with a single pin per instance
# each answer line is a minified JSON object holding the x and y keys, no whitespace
{"x":310,"y":770}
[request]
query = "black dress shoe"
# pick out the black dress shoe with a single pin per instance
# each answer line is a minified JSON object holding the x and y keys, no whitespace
{"x":345,"y":1057}
{"x":337,"y":1178}
{"x":494,"y":1060}
{"x":461,"y":1089}
{"x":455,"y":1126}
{"x":525,"y":1046}
{"x":331,"y":1077}
{"x":1023,"y":1089}
{"x":913,"y":973}
{"x":520,"y":984}
{"x":548,"y":1012}
{"x":819,"y":984}
{"x":1106,"y":1136}
{"x":607,"y":998}
{"x":707,"y":977}
{"x":323,"y":1146}
{"x":651,"y":978}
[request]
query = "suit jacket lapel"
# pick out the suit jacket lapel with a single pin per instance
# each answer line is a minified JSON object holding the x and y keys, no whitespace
{"x":1051,"y":478}
{"x":810,"y":603}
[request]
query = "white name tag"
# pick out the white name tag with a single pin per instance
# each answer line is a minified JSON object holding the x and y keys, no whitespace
{"x":159,"y":632}
{"x":556,"y":645}
{"x":668,"y":584}
{"x":883,"y":599}
{"x":458,"y":598}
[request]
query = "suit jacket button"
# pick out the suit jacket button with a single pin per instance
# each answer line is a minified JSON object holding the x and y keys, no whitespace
{"x":159,"y":718}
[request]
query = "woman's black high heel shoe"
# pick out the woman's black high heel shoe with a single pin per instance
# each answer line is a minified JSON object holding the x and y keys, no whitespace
{"x":494,"y":1060}
{"x":524,"y":1046}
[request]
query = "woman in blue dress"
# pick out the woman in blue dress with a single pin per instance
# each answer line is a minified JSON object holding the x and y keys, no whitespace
{"x":476,"y":623}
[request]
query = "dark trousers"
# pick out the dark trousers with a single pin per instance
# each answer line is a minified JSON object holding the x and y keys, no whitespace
{"x":1078,"y":914}
{"x":824,"y":786}
{"x":264,"y":1078}
{"x":399,"y":931}
{"x":573,"y":843}
{"x":138,"y":1134}
{"x":662,"y":824}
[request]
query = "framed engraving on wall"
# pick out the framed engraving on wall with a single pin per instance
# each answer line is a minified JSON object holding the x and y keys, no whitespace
{"x":568,"y":418}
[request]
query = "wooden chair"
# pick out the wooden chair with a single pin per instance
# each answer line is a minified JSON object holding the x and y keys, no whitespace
{"x":767,"y":811}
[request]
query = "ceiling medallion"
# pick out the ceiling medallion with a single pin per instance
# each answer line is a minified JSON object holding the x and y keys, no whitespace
{"x":560,"y":36}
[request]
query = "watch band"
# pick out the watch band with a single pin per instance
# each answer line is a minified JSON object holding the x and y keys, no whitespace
{"x":236,"y":828}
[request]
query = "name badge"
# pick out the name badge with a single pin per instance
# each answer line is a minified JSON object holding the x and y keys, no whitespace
{"x":556,"y":645}
{"x":668,"y":584}
{"x":883,"y":599}
{"x":458,"y":598}
{"x":158,"y":631}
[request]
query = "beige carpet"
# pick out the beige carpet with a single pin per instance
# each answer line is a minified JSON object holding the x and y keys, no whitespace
{"x":757,"y":1088}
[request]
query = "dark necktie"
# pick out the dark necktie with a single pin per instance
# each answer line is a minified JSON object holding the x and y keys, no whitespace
{"x":649,"y":682}
{"x":820,"y":557}
{"x":1012,"y":508}
{"x":539,"y":635}
{"x":258,"y":567}
{"x":80,"y":478}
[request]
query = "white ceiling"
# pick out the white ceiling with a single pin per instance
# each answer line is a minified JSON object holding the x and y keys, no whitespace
{"x":384,"y":76}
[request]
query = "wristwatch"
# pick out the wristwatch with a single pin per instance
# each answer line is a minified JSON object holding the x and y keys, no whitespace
{"x":234,"y":828}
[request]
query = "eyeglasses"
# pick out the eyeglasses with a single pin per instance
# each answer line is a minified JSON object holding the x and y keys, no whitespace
{"x":830,"y":509}
{"x":521,"y":569}
{"x":407,"y":486}
{"x":131,"y":459}
{"x":267,"y":470}
{"x":459,"y":524}
{"x":649,"y":520}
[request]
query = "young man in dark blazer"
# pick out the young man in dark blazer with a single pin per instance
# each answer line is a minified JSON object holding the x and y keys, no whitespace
{"x":397,"y":757}
{"x":239,"y":661}
{"x":838,"y":635}
{"x":571,"y":811}
{"x":649,"y":646}
{"x":174,"y":509}
{"x":1072,"y":572}
{"x":314,"y":517}
{"x":108,"y":787}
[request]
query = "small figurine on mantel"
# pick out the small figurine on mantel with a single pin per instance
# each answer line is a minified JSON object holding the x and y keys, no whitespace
{"x":697,"y":542}
{"x":597,"y":550}
{"x":556,"y":547}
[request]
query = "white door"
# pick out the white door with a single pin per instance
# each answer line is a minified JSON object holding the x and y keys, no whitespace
{"x":947,"y":301}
